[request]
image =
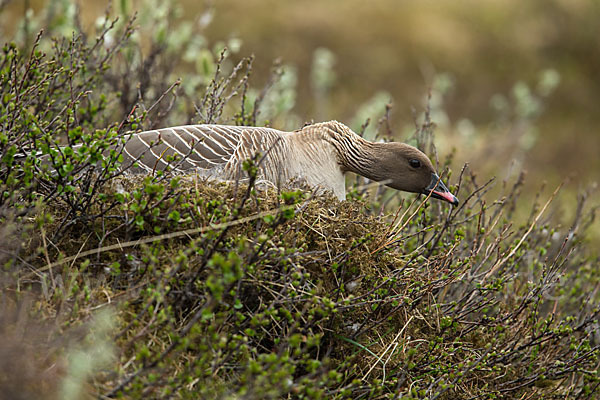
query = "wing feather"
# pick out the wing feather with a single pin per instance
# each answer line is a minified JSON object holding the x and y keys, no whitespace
{"x":229,"y":135}
{"x":197,"y":147}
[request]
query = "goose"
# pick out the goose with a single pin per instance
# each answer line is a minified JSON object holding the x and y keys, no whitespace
{"x":319,"y":155}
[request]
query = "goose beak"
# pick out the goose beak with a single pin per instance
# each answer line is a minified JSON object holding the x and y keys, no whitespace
{"x":439,"y":191}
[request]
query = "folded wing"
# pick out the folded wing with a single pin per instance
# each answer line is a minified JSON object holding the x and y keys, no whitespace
{"x":208,"y":149}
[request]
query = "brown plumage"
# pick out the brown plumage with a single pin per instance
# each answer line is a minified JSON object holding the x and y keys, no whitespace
{"x":318,"y":154}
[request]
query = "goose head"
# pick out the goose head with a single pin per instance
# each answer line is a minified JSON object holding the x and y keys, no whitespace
{"x":407,"y":168}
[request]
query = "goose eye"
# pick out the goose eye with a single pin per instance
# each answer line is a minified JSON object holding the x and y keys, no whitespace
{"x":415,"y":163}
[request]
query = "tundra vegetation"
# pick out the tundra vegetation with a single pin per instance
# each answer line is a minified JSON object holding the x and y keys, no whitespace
{"x":167,"y":286}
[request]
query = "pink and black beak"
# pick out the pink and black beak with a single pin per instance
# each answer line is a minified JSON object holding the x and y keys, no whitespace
{"x":439,"y":191}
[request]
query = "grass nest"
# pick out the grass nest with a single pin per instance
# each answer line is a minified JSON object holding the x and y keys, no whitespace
{"x":193,"y":288}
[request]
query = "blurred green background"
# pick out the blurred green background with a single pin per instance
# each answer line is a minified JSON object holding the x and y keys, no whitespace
{"x":513,"y":85}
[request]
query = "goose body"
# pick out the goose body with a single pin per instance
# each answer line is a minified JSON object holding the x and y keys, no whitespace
{"x":318,"y":154}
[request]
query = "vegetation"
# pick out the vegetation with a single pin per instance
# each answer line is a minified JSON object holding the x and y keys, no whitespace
{"x":168,"y":286}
